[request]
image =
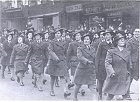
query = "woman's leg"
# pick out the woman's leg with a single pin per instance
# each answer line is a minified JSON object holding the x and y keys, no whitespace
{"x":20,"y":75}
{"x":67,"y":82}
{"x":3,"y":70}
{"x":39,"y":81}
{"x":100,"y":86}
{"x":110,"y":97}
{"x":56,"y":82}
{"x":12,"y":73}
{"x":76,"y":90}
{"x":52,"y":85}
{"x":94,"y":91}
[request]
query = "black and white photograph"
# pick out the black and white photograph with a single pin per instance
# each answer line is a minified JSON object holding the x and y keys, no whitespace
{"x":69,"y":50}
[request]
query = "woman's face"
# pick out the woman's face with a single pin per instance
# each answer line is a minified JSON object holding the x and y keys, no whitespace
{"x":87,"y":40}
{"x":30,"y":35}
{"x":9,"y":37}
{"x":58,"y":34}
{"x":137,"y":33}
{"x":108,"y":36}
{"x":20,"y":40}
{"x":121,"y":42}
{"x":46,"y":36}
{"x":78,"y":36}
{"x":129,"y":35}
{"x":96,"y":36}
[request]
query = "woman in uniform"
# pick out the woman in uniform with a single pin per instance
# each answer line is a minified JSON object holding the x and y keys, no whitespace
{"x":85,"y":73}
{"x":100,"y":61}
{"x":72,"y":59}
{"x":57,"y":62}
{"x":37,"y":55}
{"x":118,"y":65}
{"x":5,"y":60}
{"x":17,"y":59}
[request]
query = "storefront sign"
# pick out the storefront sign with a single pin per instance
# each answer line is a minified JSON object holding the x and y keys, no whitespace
{"x":92,"y":10}
{"x":117,"y":5}
{"x":74,"y":8}
{"x":114,"y":14}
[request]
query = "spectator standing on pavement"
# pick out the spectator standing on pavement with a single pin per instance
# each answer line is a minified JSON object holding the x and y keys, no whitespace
{"x":17,"y":59}
{"x":85,"y":73}
{"x":118,"y":65}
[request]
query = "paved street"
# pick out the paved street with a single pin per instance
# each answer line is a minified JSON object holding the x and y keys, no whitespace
{"x":10,"y":90}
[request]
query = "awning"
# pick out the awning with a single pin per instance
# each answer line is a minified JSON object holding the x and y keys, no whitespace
{"x":38,"y":16}
{"x":45,"y":10}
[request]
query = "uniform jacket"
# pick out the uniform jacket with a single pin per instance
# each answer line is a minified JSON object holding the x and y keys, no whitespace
{"x":37,"y":51}
{"x":72,"y":50}
{"x":133,"y":47}
{"x":19,"y":53}
{"x":2,"y":52}
{"x":96,"y":43}
{"x":100,"y":59}
{"x":57,"y":49}
{"x":8,"y":47}
{"x":118,"y":62}
{"x":84,"y":55}
{"x":28,"y":42}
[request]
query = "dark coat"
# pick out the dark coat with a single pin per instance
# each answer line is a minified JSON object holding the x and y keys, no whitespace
{"x":118,"y":62}
{"x":18,"y":57}
{"x":2,"y":51}
{"x":100,"y":59}
{"x":85,"y":73}
{"x":57,"y":49}
{"x":72,"y":59}
{"x":37,"y":54}
{"x":95,"y":43}
{"x":28,"y":42}
{"x":8,"y":47}
{"x":46,"y":44}
{"x":133,"y":47}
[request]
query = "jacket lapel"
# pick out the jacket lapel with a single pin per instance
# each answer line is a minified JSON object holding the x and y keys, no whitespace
{"x":135,"y":42}
{"x":123,"y":54}
{"x":89,"y":52}
{"x":107,"y":46}
{"x":58,"y":43}
{"x":21,"y":48}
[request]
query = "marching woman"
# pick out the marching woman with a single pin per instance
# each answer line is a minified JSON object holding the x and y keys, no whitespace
{"x":5,"y":60}
{"x":118,"y":65}
{"x":29,"y":40}
{"x":72,"y":59}
{"x":46,"y":41}
{"x":57,"y":65}
{"x":37,"y":54}
{"x":85,"y":73}
{"x":100,"y":61}
{"x":17,"y":59}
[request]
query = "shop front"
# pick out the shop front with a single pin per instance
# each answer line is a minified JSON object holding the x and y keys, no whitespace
{"x":45,"y":15}
{"x":74,"y":14}
{"x":94,"y":17}
{"x":100,"y":15}
{"x":121,"y":14}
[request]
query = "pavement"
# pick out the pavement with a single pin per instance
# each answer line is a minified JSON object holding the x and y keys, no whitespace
{"x":10,"y":90}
